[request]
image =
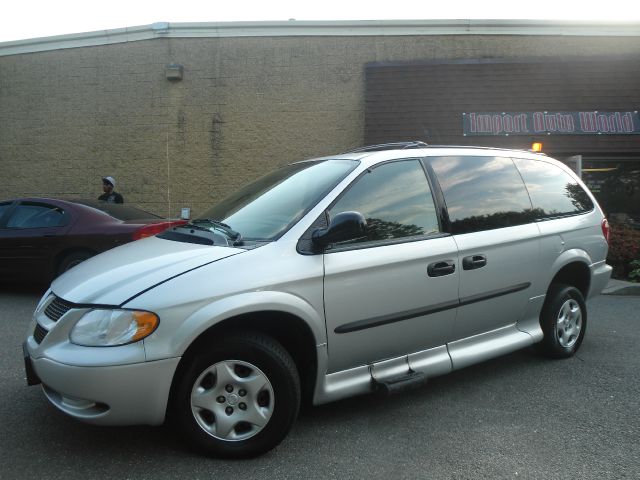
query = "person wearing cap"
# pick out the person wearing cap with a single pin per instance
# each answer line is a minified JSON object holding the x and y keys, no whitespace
{"x":109,"y":196}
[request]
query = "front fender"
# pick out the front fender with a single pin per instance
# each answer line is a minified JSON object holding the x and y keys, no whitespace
{"x":217,"y":311}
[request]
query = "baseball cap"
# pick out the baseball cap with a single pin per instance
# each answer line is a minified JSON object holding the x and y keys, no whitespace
{"x":109,"y":180}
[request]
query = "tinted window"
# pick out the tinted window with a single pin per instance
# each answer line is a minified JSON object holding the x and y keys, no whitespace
{"x":553,"y":191}
{"x":482,"y":193}
{"x":4,"y":208}
{"x":395,"y":199}
{"x":35,"y":215}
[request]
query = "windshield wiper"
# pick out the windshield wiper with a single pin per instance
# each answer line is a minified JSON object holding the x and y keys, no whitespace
{"x":194,"y":226}
{"x":218,"y":225}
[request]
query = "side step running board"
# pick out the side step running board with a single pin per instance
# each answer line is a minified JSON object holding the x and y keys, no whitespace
{"x":391,"y":386}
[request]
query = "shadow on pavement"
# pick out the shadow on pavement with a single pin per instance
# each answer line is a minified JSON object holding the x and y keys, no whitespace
{"x":20,"y":288}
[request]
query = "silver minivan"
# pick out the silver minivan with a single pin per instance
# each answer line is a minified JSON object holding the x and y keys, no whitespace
{"x":372,"y":270}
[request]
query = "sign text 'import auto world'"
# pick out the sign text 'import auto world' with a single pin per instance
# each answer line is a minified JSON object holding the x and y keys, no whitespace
{"x":551,"y":123}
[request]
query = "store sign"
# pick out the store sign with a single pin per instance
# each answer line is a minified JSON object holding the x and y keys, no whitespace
{"x":551,"y":123}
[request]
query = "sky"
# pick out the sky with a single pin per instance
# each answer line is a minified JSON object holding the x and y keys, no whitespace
{"x":24,"y":19}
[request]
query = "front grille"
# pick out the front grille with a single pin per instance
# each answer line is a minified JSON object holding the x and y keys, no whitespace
{"x":39,"y":333}
{"x":54,"y":311}
{"x":57,"y":309}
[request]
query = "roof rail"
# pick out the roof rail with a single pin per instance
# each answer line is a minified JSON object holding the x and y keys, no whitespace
{"x":389,"y":146}
{"x":488,"y":148}
{"x":474,"y":147}
{"x":419,"y":144}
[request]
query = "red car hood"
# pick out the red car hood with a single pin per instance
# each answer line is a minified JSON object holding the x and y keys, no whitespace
{"x":116,"y":275}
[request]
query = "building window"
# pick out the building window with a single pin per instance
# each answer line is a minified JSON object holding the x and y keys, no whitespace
{"x":616,"y":186}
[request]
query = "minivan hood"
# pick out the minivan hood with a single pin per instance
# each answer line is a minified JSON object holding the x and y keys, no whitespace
{"x":116,"y":275}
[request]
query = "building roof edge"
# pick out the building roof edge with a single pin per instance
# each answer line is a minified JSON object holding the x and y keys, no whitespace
{"x":297,"y":28}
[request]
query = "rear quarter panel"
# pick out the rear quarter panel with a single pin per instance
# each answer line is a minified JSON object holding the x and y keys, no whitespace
{"x":97,"y":232}
{"x":569,"y":239}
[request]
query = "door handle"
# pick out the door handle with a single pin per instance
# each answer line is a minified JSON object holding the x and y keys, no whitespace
{"x":474,"y":261}
{"x":439,"y":269}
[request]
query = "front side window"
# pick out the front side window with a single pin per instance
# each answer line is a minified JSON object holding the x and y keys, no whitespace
{"x":32,"y":215}
{"x":553,"y":191}
{"x":395,"y":199}
{"x":482,"y":193}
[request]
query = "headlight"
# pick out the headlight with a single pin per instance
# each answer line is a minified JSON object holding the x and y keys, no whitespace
{"x":108,"y":328}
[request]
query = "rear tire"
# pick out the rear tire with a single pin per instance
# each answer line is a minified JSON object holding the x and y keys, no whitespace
{"x":71,"y":260}
{"x":563,"y":320}
{"x":237,"y":398}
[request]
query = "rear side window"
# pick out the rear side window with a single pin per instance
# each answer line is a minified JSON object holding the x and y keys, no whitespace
{"x":395,"y":199}
{"x":34,"y":215}
{"x":482,"y":193}
{"x":554,"y":193}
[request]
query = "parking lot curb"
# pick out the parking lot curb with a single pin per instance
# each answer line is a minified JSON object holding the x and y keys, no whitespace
{"x":620,"y":287}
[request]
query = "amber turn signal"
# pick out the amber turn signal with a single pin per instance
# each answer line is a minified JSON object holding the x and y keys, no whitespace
{"x":147,"y":323}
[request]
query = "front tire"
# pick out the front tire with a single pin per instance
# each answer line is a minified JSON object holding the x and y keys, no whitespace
{"x":563,"y":320}
{"x":237,"y":398}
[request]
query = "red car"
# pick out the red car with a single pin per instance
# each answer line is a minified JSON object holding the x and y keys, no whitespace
{"x":40,"y":238}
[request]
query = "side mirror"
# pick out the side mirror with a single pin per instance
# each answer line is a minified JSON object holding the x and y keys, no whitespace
{"x":344,"y":226}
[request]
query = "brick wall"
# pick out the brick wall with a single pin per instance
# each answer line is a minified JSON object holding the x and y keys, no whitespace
{"x":245,"y":106}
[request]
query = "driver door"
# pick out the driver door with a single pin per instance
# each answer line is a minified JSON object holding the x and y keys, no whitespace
{"x":394,"y":291}
{"x":29,"y":239}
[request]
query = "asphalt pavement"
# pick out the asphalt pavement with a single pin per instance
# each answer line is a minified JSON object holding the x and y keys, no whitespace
{"x":519,"y":416}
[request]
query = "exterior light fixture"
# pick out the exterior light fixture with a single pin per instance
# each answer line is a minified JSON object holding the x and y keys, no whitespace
{"x":173,"y":71}
{"x":536,"y":147}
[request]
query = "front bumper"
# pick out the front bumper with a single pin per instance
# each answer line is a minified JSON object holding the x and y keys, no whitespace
{"x":134,"y":394}
{"x":100,"y":385}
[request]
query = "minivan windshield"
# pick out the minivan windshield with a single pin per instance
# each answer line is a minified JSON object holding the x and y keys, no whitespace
{"x":268,"y":207}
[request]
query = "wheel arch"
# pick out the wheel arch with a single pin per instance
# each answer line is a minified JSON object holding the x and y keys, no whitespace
{"x":61,"y":255}
{"x":573,"y":268}
{"x":291,"y":331}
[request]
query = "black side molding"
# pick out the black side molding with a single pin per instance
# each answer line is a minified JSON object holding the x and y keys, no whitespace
{"x":421,"y":312}
{"x":385,"y":319}
{"x":494,"y":293}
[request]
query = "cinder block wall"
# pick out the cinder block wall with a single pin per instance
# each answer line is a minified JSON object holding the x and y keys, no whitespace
{"x":244,"y":107}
